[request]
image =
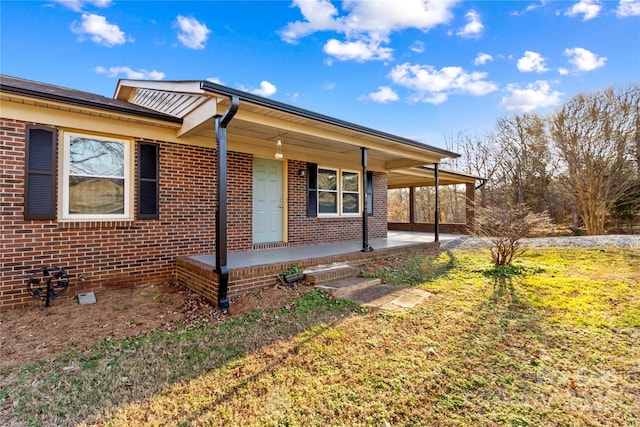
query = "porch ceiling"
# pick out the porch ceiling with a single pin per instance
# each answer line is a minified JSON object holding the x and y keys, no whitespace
{"x":425,"y":177}
{"x":259,"y":123}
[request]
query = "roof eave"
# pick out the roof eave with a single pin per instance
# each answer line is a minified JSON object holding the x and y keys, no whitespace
{"x":30,"y":93}
{"x":286,"y":108}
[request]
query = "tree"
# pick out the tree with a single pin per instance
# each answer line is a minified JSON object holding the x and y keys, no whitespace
{"x":398,"y":205}
{"x":596,"y":139}
{"x":525,"y":160}
{"x":480,"y":156}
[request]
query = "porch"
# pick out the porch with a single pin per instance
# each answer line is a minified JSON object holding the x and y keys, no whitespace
{"x":252,"y":270}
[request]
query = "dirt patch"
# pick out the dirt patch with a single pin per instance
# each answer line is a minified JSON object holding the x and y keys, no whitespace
{"x":36,"y":332}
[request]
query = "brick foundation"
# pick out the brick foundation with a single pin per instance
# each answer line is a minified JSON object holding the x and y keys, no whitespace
{"x":200,"y":277}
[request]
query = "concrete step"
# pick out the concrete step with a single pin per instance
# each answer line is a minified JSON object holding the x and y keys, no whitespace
{"x":327,"y":274}
{"x":347,"y":286}
{"x":389,"y":297}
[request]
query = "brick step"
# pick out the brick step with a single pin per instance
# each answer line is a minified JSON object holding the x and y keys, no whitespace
{"x":347,"y":286}
{"x":326,"y":274}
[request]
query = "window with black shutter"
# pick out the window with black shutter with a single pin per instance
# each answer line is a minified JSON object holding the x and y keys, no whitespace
{"x":40,"y":173}
{"x":148,"y":181}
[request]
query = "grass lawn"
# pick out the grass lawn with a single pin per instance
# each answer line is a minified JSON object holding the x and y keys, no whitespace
{"x":556,"y":343}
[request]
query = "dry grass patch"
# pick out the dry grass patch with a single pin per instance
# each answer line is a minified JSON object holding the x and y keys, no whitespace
{"x":471,"y":355}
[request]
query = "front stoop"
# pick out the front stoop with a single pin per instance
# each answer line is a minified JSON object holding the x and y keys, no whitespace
{"x":347,"y":286}
{"x":328,"y":274}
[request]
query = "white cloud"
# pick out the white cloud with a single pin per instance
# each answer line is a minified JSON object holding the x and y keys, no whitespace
{"x":434,"y":98}
{"x":482,"y":58}
{"x":357,"y":51}
{"x":379,"y":17}
{"x":319,"y":15}
{"x":589,"y":9}
{"x":530,"y":8}
{"x":266,"y":89}
{"x":532,"y":96}
{"x":417,"y":47}
{"x":628,"y":8}
{"x":99,"y":30}
{"x":191,"y":33}
{"x":383,"y":95}
{"x":78,"y":5}
{"x":294,"y":96}
{"x":584,"y":60}
{"x":215,"y":80}
{"x":434,"y":86}
{"x":530,"y":62}
{"x":563,"y":71}
{"x":473,"y":27}
{"x":365,"y":24}
{"x":130,"y":74}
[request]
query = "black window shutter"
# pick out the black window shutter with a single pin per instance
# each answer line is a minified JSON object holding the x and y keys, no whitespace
{"x":40,"y":173}
{"x":312,"y":189}
{"x":148,"y":181}
{"x":369,"y":189}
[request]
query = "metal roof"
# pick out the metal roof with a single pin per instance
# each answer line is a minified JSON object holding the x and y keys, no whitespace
{"x":18,"y":86}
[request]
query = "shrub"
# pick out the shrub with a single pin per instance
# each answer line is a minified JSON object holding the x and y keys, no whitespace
{"x":506,"y":226}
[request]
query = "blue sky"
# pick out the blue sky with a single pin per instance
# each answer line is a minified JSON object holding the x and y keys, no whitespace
{"x":423,"y":69}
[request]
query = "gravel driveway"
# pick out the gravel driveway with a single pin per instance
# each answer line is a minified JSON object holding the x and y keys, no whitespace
{"x":470,"y":242}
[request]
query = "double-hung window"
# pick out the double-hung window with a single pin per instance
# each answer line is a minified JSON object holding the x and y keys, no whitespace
{"x":96,"y":178}
{"x":338,"y":192}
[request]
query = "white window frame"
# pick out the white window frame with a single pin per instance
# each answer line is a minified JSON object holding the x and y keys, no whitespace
{"x":63,"y":193}
{"x":339,"y":192}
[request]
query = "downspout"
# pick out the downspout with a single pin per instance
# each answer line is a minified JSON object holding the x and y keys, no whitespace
{"x":221,"y":210}
{"x":436,"y":222}
{"x":365,"y":215}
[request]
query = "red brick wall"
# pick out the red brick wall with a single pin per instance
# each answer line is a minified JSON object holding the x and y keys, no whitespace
{"x":106,"y":254}
{"x":304,"y":230}
{"x":126,"y":253}
{"x":429,"y":227}
{"x":239,"y":202}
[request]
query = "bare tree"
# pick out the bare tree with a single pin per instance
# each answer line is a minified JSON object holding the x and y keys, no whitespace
{"x":596,"y":138}
{"x":480,"y":156}
{"x":525,"y":165}
{"x":398,"y":205}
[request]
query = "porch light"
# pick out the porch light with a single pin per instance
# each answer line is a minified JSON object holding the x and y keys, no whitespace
{"x":278,"y":149}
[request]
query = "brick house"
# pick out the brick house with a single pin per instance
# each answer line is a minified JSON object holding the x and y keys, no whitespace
{"x":120,"y":190}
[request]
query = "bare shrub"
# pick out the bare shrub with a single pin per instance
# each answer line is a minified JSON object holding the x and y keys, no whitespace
{"x":506,"y":226}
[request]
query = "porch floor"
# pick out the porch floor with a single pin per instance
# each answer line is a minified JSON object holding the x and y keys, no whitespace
{"x":395,"y":239}
{"x":252,"y":270}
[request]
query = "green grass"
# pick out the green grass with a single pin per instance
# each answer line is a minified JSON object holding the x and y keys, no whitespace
{"x":552,"y":342}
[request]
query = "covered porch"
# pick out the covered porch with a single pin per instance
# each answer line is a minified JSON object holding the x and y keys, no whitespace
{"x":290,"y":185}
{"x":412,"y":179}
{"x":252,"y":270}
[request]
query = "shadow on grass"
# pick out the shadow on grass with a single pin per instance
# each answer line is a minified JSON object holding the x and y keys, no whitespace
{"x":84,"y":385}
{"x":435,"y":267}
{"x":501,"y":343}
{"x":503,"y":281}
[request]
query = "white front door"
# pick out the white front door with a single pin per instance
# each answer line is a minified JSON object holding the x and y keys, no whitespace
{"x":267,"y":201}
